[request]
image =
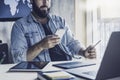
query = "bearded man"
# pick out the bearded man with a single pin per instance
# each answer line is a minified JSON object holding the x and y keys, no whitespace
{"x":33,"y":37}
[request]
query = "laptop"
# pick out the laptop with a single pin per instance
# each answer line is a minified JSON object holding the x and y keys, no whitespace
{"x":110,"y":64}
{"x":28,"y":66}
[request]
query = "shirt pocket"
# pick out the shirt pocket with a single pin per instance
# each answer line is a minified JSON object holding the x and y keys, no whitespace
{"x":32,"y":38}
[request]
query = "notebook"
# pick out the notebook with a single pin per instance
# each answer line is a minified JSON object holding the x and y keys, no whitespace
{"x":73,"y":64}
{"x":28,"y":66}
{"x":110,"y":64}
{"x":57,"y":75}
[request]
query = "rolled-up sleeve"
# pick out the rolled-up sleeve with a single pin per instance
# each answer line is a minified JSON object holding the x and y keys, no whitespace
{"x":72,"y":44}
{"x":18,"y":43}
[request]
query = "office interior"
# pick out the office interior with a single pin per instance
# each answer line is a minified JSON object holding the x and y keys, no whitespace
{"x":89,"y":20}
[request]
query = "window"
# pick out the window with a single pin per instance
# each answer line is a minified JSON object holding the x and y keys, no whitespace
{"x":102,"y":20}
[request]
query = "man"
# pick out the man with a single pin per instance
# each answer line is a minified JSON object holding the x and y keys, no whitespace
{"x":33,"y":37}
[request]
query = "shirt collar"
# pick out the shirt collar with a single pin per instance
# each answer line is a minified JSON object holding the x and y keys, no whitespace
{"x":31,"y":18}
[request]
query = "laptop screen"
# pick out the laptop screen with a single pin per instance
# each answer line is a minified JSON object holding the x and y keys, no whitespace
{"x":110,"y":65}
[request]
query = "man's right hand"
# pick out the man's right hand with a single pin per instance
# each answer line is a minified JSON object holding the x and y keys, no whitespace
{"x":49,"y":41}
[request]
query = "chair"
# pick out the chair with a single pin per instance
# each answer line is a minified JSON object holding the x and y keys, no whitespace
{"x":4,"y":57}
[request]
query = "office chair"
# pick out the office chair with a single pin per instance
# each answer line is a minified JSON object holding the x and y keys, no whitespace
{"x":4,"y":59}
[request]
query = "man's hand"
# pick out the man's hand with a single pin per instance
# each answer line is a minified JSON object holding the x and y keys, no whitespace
{"x":90,"y":52}
{"x":49,"y":41}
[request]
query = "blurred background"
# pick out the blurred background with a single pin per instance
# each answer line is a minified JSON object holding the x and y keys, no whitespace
{"x":89,"y":20}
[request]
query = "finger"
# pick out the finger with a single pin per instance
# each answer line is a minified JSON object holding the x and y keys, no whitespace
{"x":52,"y":45}
{"x":52,"y":36}
{"x":92,"y":51}
{"x":86,"y":55}
{"x":55,"y":36}
{"x":92,"y":56}
{"x":55,"y":40}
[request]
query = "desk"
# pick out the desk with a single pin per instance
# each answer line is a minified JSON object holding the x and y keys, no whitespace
{"x":4,"y":75}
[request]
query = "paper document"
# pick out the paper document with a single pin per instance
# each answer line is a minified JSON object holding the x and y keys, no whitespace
{"x":60,"y":33}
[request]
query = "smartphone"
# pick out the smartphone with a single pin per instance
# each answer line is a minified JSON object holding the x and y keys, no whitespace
{"x":93,"y":45}
{"x":96,"y":43}
{"x":60,"y":33}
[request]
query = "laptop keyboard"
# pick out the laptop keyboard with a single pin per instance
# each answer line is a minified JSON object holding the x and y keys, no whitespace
{"x":91,"y":73}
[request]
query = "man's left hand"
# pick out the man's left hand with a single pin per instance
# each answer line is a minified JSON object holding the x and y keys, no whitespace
{"x":90,"y":52}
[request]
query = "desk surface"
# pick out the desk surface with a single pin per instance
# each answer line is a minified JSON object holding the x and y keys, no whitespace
{"x":5,"y":75}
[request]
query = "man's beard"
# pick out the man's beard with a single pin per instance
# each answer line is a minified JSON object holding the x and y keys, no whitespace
{"x":39,"y":12}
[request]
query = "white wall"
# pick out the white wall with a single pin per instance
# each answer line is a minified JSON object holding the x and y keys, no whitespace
{"x":109,"y":9}
{"x":80,"y":20}
{"x":5,"y":31}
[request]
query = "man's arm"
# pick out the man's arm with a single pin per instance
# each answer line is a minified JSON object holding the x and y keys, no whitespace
{"x":18,"y":43}
{"x":48,"y":42}
{"x":75,"y":47}
{"x":33,"y":51}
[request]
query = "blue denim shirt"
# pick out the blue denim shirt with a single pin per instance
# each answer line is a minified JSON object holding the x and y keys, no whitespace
{"x":27,"y":31}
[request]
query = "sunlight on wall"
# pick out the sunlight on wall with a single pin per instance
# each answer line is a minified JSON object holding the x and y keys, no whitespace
{"x":109,"y":8}
{"x":91,"y":4}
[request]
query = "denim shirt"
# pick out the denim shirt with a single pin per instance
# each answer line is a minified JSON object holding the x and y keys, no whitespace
{"x":28,"y":31}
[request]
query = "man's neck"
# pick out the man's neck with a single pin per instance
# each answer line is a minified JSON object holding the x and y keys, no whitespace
{"x":39,"y":19}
